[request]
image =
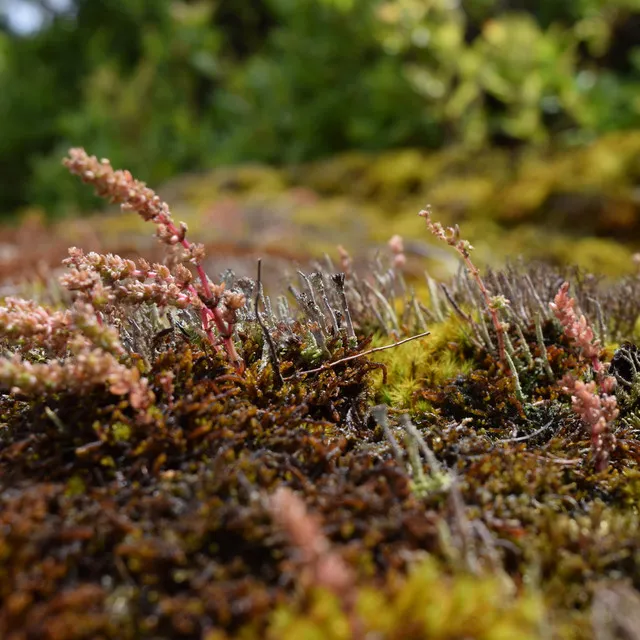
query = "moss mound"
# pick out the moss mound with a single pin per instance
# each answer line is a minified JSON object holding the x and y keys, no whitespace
{"x":459,"y":458}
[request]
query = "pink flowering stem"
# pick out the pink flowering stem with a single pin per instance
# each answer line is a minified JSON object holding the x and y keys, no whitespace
{"x":133,"y":195}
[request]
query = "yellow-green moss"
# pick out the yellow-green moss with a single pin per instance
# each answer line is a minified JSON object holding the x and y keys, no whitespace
{"x":427,"y":604}
{"x":431,"y":360}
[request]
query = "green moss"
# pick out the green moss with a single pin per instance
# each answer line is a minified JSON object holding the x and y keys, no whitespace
{"x":431,"y":361}
{"x":76,"y":486}
{"x":121,"y":431}
{"x":427,"y":604}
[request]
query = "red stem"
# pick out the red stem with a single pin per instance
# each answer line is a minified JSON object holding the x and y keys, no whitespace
{"x":224,"y":329}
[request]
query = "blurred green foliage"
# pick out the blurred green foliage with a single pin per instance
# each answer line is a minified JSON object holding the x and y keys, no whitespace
{"x":165,"y":86}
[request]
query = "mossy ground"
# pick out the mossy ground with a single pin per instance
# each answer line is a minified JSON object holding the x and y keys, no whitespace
{"x":111,"y":528}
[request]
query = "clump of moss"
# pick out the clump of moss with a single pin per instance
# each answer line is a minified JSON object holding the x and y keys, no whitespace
{"x":442,"y":356}
{"x":466,"y":606}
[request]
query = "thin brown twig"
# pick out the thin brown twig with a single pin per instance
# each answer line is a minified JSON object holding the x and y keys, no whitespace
{"x":368,"y":352}
{"x":529,"y":436}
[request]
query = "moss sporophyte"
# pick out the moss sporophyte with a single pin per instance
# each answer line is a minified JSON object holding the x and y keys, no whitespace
{"x":362,"y":454}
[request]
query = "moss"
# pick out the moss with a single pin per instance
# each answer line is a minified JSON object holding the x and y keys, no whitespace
{"x":470,"y":512}
{"x":172,"y":511}
{"x":466,"y":606}
{"x":431,"y":362}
